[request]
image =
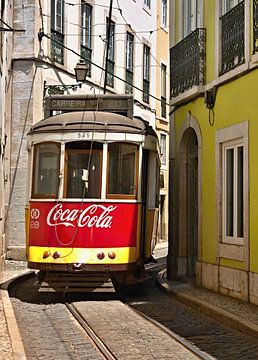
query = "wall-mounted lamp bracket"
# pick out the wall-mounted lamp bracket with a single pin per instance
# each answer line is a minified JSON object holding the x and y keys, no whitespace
{"x":50,"y":90}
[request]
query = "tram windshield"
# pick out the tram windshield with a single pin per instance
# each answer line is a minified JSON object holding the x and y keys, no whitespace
{"x":122,"y":164}
{"x":46,"y":170}
{"x":83,"y":169}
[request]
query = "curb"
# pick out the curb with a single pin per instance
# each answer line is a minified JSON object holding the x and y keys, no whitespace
{"x":13,"y":330}
{"x":205,"y":307}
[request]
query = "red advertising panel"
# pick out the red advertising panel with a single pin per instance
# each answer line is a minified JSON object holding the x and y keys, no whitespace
{"x":83,"y":225}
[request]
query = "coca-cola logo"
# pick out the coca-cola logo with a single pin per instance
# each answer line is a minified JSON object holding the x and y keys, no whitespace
{"x":98,"y":216}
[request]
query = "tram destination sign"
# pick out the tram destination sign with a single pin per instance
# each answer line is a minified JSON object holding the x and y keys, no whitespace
{"x":120,"y":104}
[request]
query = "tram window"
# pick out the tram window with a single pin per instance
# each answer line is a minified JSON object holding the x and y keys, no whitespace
{"x":122,"y":163}
{"x":46,"y":170}
{"x":83,"y":170}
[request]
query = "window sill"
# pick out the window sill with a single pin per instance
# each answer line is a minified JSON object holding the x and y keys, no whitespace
{"x":231,"y":251}
{"x":187,"y":95}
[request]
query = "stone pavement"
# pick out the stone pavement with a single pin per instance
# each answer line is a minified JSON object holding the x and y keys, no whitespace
{"x":242,"y":316}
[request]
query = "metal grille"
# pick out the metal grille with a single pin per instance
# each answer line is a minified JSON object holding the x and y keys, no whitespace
{"x":188,"y":62}
{"x":57,"y":47}
{"x":233,"y":38}
{"x":255,"y":16}
{"x":86,"y":54}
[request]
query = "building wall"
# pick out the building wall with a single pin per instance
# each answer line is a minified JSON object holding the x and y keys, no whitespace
{"x":162,"y":123}
{"x":229,"y":268}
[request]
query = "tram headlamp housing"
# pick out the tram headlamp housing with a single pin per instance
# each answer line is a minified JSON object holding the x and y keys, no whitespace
{"x":101,"y":255}
{"x":56,"y":255}
{"x":111,"y":255}
{"x":46,"y":254}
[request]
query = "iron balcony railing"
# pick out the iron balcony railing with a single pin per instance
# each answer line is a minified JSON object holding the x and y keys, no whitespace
{"x":146,"y":91}
{"x":255,"y":22}
{"x":188,"y":62}
{"x":57,"y":47}
{"x":86,"y":54}
{"x":233,"y":38}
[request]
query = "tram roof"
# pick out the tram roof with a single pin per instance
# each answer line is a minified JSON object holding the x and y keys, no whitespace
{"x":97,"y":121}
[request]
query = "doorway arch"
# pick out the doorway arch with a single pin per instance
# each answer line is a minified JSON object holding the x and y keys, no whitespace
{"x":189,"y":197}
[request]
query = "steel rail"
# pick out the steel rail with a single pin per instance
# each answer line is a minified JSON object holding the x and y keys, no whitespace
{"x":90,"y":332}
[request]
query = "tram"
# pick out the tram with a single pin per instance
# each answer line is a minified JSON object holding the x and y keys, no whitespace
{"x":92,"y":194}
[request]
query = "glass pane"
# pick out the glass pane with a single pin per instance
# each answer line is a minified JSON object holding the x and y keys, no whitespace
{"x":229,"y":191}
{"x":83,"y":179}
{"x":240,"y":192}
{"x":46,"y":170}
{"x":122,"y":169}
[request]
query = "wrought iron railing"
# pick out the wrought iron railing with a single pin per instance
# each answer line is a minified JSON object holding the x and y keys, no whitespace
{"x":146,"y":91}
{"x":129,"y":82}
{"x":255,"y":22}
{"x":57,"y":47}
{"x":188,"y":62}
{"x":233,"y":38}
{"x":110,"y":73}
{"x":86,"y":54}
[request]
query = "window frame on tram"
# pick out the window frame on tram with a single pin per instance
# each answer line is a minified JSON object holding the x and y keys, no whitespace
{"x":34,"y":194}
{"x":99,"y":152}
{"x":136,"y":171}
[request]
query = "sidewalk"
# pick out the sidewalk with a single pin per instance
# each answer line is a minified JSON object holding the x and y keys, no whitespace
{"x":238,"y":314}
{"x":11,"y":347}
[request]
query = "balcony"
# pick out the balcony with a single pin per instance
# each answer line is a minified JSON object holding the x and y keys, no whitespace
{"x":255,"y":22}
{"x":129,"y":82}
{"x":110,"y":73}
{"x":233,"y":38}
{"x":57,"y":47}
{"x":188,"y":62}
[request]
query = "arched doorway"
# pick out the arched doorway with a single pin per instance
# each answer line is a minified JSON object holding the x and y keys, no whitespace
{"x":192,"y":202}
{"x":189,"y":199}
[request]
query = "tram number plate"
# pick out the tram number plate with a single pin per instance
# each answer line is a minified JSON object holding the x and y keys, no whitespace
{"x":83,"y":135}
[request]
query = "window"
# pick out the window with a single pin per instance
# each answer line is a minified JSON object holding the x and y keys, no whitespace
{"x":57,"y":31}
{"x":46,"y":170}
{"x":147,"y":3}
{"x":129,"y":63}
{"x":164,"y":12}
{"x":163,"y":151}
{"x":83,"y":169}
{"x":192,"y":15}
{"x":233,"y":180}
{"x":111,"y":55}
{"x":122,"y":169}
{"x":86,"y":34}
{"x":227,"y":5}
{"x":146,"y":73}
{"x":163,"y":90}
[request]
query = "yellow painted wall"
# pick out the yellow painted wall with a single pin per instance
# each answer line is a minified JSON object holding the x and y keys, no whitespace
{"x":236,"y":102}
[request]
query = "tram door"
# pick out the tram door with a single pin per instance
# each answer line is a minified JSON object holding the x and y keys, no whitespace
{"x":144,"y":201}
{"x":192,"y":180}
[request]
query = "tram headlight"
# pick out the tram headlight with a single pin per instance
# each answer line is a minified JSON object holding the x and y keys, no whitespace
{"x":56,"y":255}
{"x":100,"y":255}
{"x":111,"y":255}
{"x":46,"y":254}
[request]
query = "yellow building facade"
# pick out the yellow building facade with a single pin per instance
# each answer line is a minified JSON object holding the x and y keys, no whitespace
{"x":162,"y":109}
{"x":213,"y":156}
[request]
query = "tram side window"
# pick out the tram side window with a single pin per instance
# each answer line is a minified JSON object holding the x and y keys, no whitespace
{"x":46,"y":170}
{"x":122,"y":164}
{"x":83,"y":170}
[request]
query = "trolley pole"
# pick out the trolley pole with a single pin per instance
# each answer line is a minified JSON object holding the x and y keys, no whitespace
{"x":108,"y":42}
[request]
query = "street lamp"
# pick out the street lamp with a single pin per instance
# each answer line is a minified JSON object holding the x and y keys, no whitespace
{"x":81,"y":70}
